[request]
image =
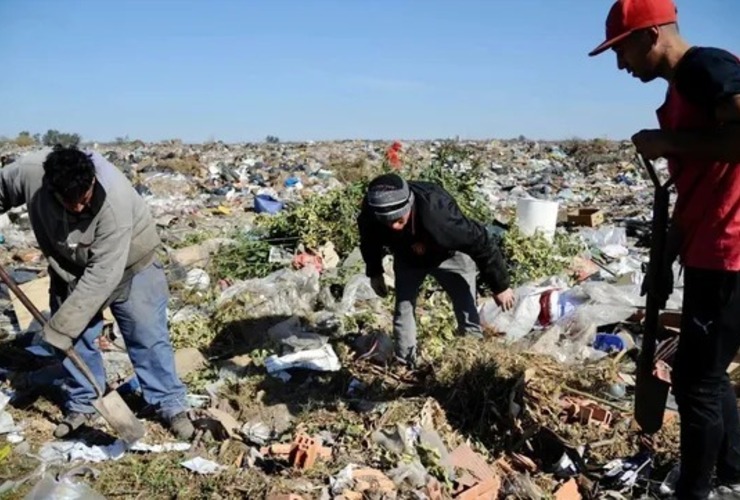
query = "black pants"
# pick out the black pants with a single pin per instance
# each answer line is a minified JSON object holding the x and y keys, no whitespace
{"x":710,"y":337}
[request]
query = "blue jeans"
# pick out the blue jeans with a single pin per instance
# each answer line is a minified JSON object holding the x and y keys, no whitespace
{"x":142,"y":320}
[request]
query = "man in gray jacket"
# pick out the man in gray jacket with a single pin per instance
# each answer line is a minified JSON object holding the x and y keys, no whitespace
{"x":100,"y":241}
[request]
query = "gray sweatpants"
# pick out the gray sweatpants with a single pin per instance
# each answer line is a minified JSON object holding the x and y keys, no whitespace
{"x":456,"y":276}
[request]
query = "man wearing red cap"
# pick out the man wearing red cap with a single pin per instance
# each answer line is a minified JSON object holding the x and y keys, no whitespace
{"x":699,"y":134}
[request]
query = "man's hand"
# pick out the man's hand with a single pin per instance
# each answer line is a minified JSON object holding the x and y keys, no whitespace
{"x":58,"y":340}
{"x":505,"y":300}
{"x":653,"y":144}
{"x":379,"y":286}
{"x":659,"y":283}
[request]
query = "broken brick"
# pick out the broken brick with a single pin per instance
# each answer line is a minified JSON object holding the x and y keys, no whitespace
{"x":662,"y":371}
{"x":434,"y":489}
{"x":303,"y":453}
{"x":277,"y":449}
{"x":484,"y":490}
{"x":366,"y":479}
{"x":350,"y":495}
{"x":593,"y":414}
{"x":305,"y":450}
{"x":568,"y":491}
{"x":465,"y":458}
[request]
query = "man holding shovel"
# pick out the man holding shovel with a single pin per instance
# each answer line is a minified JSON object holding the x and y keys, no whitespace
{"x":100,"y":241}
{"x":426,"y":232}
{"x":699,"y":134}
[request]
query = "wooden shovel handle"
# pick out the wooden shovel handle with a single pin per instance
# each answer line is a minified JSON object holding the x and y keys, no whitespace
{"x":72,"y":354}
{"x":10,"y":282}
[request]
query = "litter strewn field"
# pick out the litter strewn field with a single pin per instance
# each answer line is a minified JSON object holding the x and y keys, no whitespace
{"x":283,"y":344}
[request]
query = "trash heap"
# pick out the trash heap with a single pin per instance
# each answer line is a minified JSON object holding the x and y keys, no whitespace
{"x":284,"y":345}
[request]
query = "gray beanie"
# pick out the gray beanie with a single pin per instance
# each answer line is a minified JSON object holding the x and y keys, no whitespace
{"x":390,"y":197}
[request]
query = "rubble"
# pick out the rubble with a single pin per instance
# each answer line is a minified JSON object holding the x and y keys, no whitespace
{"x":285,"y":347}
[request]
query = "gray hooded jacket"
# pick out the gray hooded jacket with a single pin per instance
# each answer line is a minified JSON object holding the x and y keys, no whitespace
{"x":94,"y":254}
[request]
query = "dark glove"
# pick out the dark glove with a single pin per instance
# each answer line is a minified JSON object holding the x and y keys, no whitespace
{"x":379,"y":286}
{"x":659,"y":284}
{"x":58,"y":340}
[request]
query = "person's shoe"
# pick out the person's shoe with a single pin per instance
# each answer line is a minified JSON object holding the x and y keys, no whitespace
{"x":73,"y":421}
{"x":726,"y":492}
{"x":471,"y":333}
{"x":19,"y":381}
{"x":181,"y":426}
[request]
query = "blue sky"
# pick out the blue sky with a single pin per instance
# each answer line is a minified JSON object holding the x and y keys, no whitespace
{"x":238,"y":70}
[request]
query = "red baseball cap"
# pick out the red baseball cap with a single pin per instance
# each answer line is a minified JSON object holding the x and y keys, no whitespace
{"x":628,"y":16}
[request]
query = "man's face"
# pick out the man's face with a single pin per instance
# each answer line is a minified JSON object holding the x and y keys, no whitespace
{"x":399,"y":224}
{"x":79,"y":205}
{"x":636,"y":54}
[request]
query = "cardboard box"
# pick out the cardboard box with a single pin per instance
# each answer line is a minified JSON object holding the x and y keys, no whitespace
{"x":589,"y":217}
{"x":38,"y":293}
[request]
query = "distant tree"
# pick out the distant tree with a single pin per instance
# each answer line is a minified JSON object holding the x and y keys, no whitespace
{"x":122,"y":140}
{"x":37,"y":138}
{"x":24,"y":139}
{"x":52,"y":137}
{"x":271,"y":139}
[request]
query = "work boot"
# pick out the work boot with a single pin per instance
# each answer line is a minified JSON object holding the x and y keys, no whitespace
{"x":181,"y":426}
{"x":73,"y":421}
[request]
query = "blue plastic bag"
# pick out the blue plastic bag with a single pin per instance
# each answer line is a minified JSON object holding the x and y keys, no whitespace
{"x":608,"y":342}
{"x":264,"y":203}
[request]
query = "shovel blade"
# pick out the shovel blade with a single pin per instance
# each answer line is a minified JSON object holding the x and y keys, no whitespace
{"x":120,"y":417}
{"x":651,"y":395}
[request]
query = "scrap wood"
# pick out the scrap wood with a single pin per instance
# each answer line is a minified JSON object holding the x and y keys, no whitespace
{"x":597,"y":399}
{"x":228,"y":423}
{"x":523,"y":462}
{"x":505,"y":467}
{"x":388,"y":374}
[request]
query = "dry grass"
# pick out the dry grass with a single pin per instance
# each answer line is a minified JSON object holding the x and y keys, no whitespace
{"x":466,"y":394}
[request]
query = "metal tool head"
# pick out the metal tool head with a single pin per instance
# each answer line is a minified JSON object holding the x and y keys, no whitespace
{"x":120,"y":417}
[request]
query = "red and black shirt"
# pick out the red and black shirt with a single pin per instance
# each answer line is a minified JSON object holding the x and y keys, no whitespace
{"x":708,"y":203}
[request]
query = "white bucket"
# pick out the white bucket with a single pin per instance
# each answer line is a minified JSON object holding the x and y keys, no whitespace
{"x":533,"y":215}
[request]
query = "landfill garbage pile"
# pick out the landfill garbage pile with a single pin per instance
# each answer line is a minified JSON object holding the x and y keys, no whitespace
{"x":285,"y":348}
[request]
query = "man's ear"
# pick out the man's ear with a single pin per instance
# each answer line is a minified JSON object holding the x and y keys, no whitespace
{"x":653,"y":33}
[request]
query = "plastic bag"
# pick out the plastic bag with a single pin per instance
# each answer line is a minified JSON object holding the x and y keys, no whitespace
{"x":65,"y":488}
{"x":282,"y":293}
{"x":357,"y":289}
{"x":518,"y":322}
{"x":605,"y":236}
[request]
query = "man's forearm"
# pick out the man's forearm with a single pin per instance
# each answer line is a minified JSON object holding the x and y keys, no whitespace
{"x":721,"y":144}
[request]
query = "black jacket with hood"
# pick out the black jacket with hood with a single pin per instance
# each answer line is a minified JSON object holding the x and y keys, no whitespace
{"x":435,"y":231}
